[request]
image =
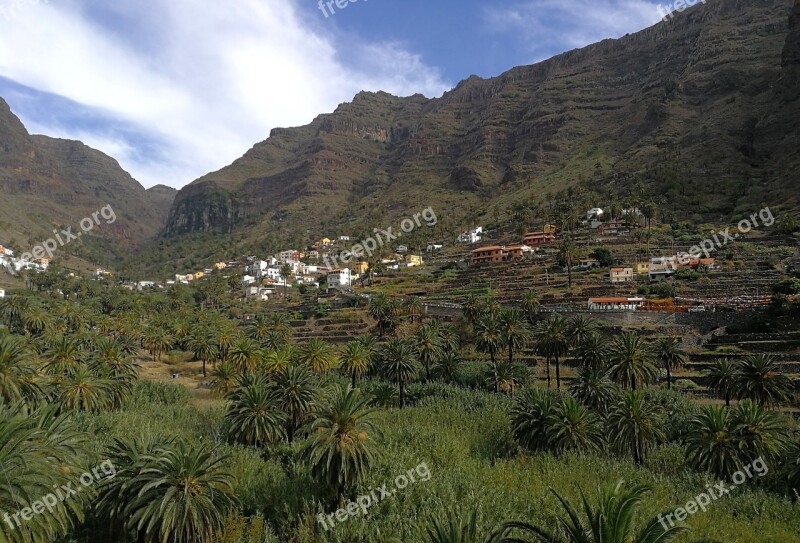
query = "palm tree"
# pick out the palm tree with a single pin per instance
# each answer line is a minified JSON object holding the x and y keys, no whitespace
{"x":668,"y":354}
{"x":723,"y":378}
{"x":259,"y":328}
{"x":244,"y":354}
{"x":384,"y":311}
{"x":109,"y":356}
{"x":63,"y":356}
{"x":297,"y":396}
{"x":446,"y":366}
{"x":558,"y":343}
{"x":635,"y":425}
{"x":355,"y":360}
{"x":202,"y":346}
{"x":759,"y":379}
{"x":580,"y":328}
{"x":399,"y":365}
{"x":224,"y":377}
{"x":429,"y":347}
{"x":472,"y":308}
{"x":317,"y":355}
{"x":516,"y":335}
{"x":19,"y":380}
{"x":489,"y":339}
{"x":277,"y":361}
{"x":541,"y":336}
{"x":572,"y":427}
{"x":157,"y":341}
{"x":254,"y":416}
{"x":530,"y":305}
{"x":509,"y":377}
{"x":413,"y":307}
{"x":631,"y":361}
{"x":530,"y":417}
{"x":611,"y":522}
{"x":594,"y":389}
{"x":459,"y":530}
{"x":761,"y":433}
{"x":568,"y":253}
{"x":711,"y":445}
{"x":791,"y":470}
{"x":81,"y":390}
{"x":285,"y":273}
{"x":339,"y":449}
{"x":177,"y":493}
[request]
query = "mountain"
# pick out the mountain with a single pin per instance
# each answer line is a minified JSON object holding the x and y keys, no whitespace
{"x":49,"y":183}
{"x":699,"y":113}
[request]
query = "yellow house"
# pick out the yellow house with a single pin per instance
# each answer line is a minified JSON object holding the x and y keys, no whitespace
{"x":324,"y":241}
{"x":413,"y":260}
{"x":642,"y":268}
{"x":550,"y":229}
{"x":199,"y":275}
{"x":621,"y":275}
{"x":358,"y":267}
{"x":220,"y":266}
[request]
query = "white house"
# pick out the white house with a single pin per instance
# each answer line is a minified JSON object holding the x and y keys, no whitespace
{"x":339,"y":278}
{"x":344,"y":238}
{"x":2,"y":293}
{"x":594,"y":213}
{"x":433,"y":247}
{"x":273,"y":273}
{"x":248,"y":279}
{"x":402,"y":249}
{"x":473,"y":236}
{"x":615,"y":304}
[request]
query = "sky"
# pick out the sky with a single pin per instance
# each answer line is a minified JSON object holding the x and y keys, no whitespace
{"x":174,"y":89}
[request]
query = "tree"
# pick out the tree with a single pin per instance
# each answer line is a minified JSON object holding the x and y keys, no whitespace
{"x":668,"y":355}
{"x":81,"y":390}
{"x":317,"y":355}
{"x":722,"y":379}
{"x":413,"y":307}
{"x":202,"y":346}
{"x":631,"y":361}
{"x":399,"y":365}
{"x":572,"y":427}
{"x":339,"y":449}
{"x":355,"y":360}
{"x":611,"y":522}
{"x":530,"y":416}
{"x":254,"y":416}
{"x":19,"y":380}
{"x":297,"y":396}
{"x":594,"y":389}
{"x":635,"y":425}
{"x":385,"y":312}
{"x":489,"y":339}
{"x":446,"y":366}
{"x":429,"y":347}
{"x":168,"y":491}
{"x":285,"y":273}
{"x":244,"y":354}
{"x":530,"y":305}
{"x":579,"y":329}
{"x":593,"y":352}
{"x":758,"y":378}
{"x":567,"y":255}
{"x":514,"y":332}
{"x":553,"y":343}
{"x":224,"y":377}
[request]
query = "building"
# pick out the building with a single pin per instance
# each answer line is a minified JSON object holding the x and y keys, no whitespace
{"x":588,"y":263}
{"x":402,"y":249}
{"x":514,"y":252}
{"x":473,"y":236}
{"x":359,"y":267}
{"x":433,"y":247}
{"x":659,"y":272}
{"x":344,"y":238}
{"x":621,"y":275}
{"x":614,"y":227}
{"x":2,"y":293}
{"x":549,"y":229}
{"x":220,"y":266}
{"x":413,"y":260}
{"x":537,"y":239}
{"x":594,"y":213}
{"x":339,"y":278}
{"x":486,"y":254}
{"x":615,"y":304}
{"x":642,"y":268}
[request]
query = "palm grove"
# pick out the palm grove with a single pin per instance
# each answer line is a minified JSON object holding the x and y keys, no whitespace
{"x":302,"y":427}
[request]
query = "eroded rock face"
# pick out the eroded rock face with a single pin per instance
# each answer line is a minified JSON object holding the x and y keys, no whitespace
{"x":697,"y":94}
{"x":47,"y":183}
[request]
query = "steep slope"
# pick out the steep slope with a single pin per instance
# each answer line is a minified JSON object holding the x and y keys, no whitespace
{"x":49,"y":183}
{"x":701,"y":110}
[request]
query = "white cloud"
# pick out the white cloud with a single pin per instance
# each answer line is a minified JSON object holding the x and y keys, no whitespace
{"x":548,"y":25}
{"x":206,"y":79}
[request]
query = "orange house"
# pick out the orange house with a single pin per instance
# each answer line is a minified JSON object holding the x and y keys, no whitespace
{"x":487,"y":254}
{"x":537,"y":239}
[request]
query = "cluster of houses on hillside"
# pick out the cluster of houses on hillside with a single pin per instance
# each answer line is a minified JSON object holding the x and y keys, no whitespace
{"x":14,"y":264}
{"x":660,"y":268}
{"x":502,"y":253}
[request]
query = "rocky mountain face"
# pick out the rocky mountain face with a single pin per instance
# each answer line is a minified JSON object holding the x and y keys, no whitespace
{"x":702,"y":109}
{"x":49,"y":183}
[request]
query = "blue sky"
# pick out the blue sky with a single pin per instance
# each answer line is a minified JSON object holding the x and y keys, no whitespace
{"x":175,"y":89}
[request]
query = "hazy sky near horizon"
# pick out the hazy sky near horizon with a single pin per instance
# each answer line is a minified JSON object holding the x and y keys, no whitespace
{"x":176,"y":89}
